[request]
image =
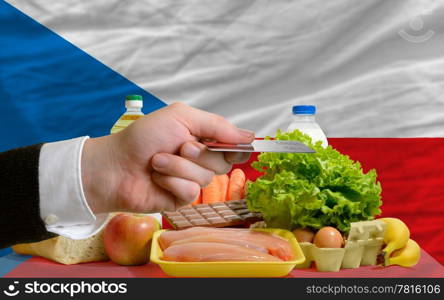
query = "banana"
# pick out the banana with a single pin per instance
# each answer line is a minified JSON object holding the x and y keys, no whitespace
{"x":407,"y":256}
{"x":395,"y":237}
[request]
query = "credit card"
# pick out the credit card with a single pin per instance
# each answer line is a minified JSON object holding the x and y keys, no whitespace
{"x":261,"y":146}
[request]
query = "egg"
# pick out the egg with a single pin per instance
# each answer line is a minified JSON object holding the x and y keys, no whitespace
{"x":303,"y":235}
{"x":328,"y":237}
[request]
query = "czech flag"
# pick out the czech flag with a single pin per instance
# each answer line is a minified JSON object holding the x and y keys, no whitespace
{"x":374,"y":70}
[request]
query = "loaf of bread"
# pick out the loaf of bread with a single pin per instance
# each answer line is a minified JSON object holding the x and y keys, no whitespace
{"x":65,"y":250}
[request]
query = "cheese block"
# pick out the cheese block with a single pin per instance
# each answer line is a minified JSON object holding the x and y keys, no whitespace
{"x":65,"y":250}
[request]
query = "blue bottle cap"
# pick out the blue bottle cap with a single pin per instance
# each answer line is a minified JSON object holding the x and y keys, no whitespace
{"x":304,"y":110}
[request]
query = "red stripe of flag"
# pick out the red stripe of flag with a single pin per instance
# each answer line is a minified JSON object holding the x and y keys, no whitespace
{"x":411,"y":172}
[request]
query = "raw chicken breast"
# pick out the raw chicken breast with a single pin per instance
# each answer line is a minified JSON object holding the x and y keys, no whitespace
{"x":170,"y":236}
{"x":220,"y":239}
{"x":199,"y":252}
{"x":251,"y":239}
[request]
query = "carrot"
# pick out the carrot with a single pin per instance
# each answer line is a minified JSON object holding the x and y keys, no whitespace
{"x":198,"y":199}
{"x":236,"y":185}
{"x":216,"y":191}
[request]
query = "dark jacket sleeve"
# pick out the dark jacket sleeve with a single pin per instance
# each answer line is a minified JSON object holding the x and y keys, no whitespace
{"x":20,"y":220}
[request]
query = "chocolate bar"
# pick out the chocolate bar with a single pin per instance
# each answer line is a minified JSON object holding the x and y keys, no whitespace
{"x":220,"y":214}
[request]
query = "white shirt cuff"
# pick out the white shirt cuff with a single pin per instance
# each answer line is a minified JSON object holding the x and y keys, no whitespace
{"x":63,"y":206}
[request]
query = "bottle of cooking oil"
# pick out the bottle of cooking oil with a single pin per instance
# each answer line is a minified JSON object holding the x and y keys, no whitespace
{"x":133,"y":104}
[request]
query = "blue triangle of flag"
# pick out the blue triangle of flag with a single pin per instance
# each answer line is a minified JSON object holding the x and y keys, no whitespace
{"x":51,"y":90}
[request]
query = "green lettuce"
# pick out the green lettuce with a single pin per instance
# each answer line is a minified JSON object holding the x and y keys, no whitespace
{"x":325,"y":188}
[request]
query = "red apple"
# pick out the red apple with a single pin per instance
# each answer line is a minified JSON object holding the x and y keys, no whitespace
{"x":127,"y":238}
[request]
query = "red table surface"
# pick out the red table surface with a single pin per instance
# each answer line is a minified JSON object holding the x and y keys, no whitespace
{"x":43,"y":268}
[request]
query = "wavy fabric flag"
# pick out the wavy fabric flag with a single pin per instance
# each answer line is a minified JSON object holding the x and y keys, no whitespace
{"x":374,"y":69}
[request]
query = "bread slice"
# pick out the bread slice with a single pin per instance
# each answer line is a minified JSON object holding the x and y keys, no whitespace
{"x":65,"y":250}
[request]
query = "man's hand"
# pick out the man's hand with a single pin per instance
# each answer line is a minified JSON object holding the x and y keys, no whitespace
{"x":158,"y":163}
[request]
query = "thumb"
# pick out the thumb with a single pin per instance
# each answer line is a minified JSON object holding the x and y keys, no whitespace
{"x":207,"y":125}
